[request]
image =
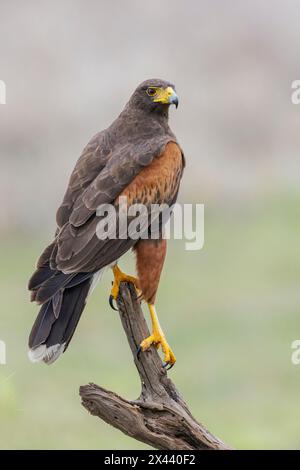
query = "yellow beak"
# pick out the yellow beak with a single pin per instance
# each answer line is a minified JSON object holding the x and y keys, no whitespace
{"x":166,"y":96}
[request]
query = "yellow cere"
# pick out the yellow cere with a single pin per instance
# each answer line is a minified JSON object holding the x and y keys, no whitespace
{"x":163,"y":95}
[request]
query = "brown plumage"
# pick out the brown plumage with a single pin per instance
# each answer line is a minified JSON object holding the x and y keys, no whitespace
{"x":156,"y":184}
{"x":137,"y":156}
{"x":159,"y":182}
{"x":150,"y":257}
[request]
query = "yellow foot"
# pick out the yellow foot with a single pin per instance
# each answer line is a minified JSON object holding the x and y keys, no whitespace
{"x":157,"y":338}
{"x":119,"y":277}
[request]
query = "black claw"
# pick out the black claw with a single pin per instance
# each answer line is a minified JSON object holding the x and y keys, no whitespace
{"x":111,"y":303}
{"x":138,"y":351}
{"x":165,"y":366}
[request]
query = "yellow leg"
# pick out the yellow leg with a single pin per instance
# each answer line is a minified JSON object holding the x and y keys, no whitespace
{"x":158,"y":338}
{"x":119,"y":277}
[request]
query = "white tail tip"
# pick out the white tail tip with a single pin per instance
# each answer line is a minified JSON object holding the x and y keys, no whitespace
{"x":48,"y":355}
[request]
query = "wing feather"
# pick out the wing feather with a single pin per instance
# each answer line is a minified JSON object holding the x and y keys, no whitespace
{"x":108,"y":166}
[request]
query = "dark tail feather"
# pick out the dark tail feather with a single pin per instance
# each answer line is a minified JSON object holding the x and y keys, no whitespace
{"x":40,"y":276}
{"x":58,"y":318}
{"x":43,"y":270}
{"x":52,"y":286}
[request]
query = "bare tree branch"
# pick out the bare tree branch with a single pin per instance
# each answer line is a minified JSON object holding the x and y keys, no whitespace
{"x":160,"y":416}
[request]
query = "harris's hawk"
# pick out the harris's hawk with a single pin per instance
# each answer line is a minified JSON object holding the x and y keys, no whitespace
{"x":137,"y":157}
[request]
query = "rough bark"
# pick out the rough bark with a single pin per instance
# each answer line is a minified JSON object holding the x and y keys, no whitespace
{"x":160,"y":416}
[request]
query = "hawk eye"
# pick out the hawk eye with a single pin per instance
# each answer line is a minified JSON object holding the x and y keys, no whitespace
{"x":151,"y":91}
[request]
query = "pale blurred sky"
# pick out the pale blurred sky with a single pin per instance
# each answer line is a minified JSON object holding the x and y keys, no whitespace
{"x":71,"y":65}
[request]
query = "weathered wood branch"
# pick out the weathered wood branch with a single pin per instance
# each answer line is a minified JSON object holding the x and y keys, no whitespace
{"x":160,"y":416}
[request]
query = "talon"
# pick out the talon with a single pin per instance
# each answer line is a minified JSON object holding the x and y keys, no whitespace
{"x":168,"y":364}
{"x":138,"y":351}
{"x":119,"y":277}
{"x":157,"y":339}
{"x":111,"y":302}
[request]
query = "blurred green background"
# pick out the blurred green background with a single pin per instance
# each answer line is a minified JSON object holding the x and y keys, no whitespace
{"x":231,"y":310}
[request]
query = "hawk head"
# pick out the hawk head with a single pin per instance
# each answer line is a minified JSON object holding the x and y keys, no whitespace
{"x":154,"y":95}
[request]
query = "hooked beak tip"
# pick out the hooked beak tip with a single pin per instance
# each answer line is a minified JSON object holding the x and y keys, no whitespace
{"x":175,"y":101}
